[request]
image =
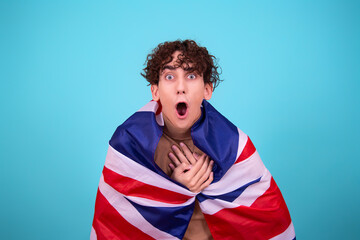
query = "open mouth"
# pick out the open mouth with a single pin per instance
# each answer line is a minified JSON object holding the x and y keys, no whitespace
{"x":181,"y":108}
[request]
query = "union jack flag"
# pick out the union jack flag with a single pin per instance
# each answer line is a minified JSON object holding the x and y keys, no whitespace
{"x":137,"y":200}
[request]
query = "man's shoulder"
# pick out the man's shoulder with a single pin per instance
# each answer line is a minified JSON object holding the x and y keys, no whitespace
{"x":140,"y":129}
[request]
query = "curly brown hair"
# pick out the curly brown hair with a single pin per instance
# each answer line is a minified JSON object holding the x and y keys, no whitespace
{"x":190,"y":53}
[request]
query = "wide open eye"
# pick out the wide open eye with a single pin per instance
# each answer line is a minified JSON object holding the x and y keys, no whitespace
{"x":192,"y":76}
{"x":169,"y":77}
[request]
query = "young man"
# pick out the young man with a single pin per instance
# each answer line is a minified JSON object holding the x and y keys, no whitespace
{"x":181,"y":89}
{"x":178,"y":169}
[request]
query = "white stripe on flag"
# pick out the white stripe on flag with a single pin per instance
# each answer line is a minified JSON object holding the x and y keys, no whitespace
{"x":93,"y":234}
{"x":238,"y":175}
{"x":129,"y":212}
{"x":151,"y":106}
{"x":123,"y":165}
{"x":154,"y":203}
{"x":288,"y":234}
{"x":242,"y":142}
{"x":247,"y":198}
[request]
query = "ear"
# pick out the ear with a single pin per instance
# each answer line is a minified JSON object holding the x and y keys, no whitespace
{"x":208,"y":90}
{"x":155,"y":92}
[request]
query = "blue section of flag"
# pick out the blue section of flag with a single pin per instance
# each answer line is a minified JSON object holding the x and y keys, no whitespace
{"x":230,"y":196}
{"x":137,"y":138}
{"x":173,"y":220}
{"x":217,"y":137}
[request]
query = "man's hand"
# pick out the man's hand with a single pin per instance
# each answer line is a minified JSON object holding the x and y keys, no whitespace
{"x":191,"y":170}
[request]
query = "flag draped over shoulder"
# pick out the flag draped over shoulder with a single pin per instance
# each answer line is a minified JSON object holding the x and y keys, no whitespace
{"x":137,"y":200}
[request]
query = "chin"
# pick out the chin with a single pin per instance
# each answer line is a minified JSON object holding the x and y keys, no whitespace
{"x":184,"y":126}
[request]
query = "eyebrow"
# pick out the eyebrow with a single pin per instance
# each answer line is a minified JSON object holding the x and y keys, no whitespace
{"x":170,"y":67}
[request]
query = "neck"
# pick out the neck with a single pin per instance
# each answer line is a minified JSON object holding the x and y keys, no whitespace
{"x":174,"y":132}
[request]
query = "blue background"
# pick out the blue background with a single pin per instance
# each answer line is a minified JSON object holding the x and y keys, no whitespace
{"x":70,"y":74}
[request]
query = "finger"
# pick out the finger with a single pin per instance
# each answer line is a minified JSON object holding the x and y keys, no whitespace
{"x":203,"y":173}
{"x":196,"y":167}
{"x":181,"y":168}
{"x":174,"y":159}
{"x":188,"y":153}
{"x":202,"y":170}
{"x":208,"y":182}
{"x":206,"y":175}
{"x":197,"y":156}
{"x":180,"y":155}
{"x":171,"y":166}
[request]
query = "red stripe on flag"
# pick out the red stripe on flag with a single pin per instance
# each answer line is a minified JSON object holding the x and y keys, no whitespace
{"x":158,"y":111}
{"x":109,"y":224}
{"x":248,"y":150}
{"x":267,"y":217}
{"x":135,"y":188}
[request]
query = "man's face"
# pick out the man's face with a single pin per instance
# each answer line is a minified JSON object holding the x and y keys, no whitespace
{"x":180,"y":92}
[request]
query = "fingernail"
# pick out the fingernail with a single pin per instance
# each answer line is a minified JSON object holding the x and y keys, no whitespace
{"x":182,"y":144}
{"x":173,"y":147}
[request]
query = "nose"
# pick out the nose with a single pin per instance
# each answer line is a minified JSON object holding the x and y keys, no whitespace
{"x":181,"y":86}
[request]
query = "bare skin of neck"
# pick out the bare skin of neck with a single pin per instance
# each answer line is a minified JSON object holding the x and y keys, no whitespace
{"x":176,"y":132}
